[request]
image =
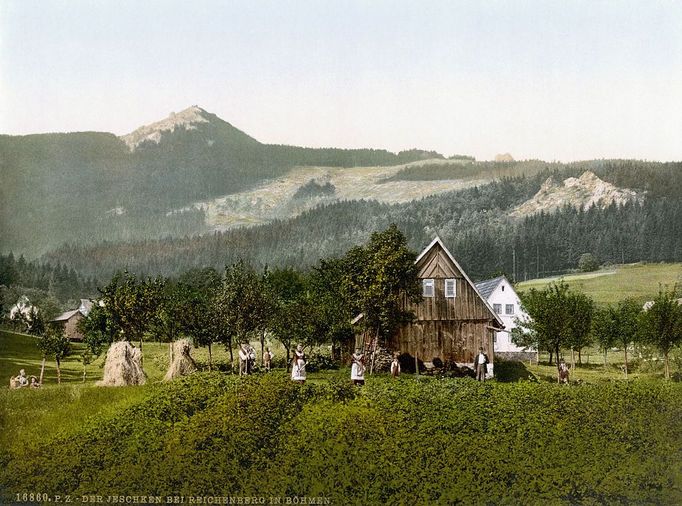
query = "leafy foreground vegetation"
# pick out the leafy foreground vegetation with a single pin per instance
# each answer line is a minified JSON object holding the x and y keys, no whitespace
{"x":391,"y":441}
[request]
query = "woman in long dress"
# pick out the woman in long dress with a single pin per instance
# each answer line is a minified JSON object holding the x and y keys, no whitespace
{"x":357,"y":371}
{"x":298,"y":365}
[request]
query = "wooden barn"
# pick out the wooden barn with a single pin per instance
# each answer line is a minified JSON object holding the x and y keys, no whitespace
{"x":69,"y":320}
{"x":452,"y":320}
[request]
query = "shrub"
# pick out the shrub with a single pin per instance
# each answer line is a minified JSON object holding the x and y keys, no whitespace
{"x":512,"y":370}
{"x":320,"y":362}
{"x":588,"y":262}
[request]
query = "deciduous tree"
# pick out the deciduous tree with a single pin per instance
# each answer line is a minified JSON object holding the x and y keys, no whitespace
{"x":55,"y":344}
{"x":661,"y":324}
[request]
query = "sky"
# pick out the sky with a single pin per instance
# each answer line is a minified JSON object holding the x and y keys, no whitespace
{"x":552,"y":80}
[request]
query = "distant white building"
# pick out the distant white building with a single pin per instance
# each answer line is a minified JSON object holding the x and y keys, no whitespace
{"x":504,"y":300}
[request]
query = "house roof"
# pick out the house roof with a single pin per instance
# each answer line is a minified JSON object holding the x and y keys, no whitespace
{"x":438,"y":241}
{"x":66,"y":315}
{"x":487,"y":287}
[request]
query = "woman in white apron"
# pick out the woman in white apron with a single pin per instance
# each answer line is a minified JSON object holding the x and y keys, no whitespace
{"x":298,"y":365}
{"x":357,"y":371}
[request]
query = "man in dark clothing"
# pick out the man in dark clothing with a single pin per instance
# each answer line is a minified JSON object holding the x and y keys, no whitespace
{"x":480,"y":365}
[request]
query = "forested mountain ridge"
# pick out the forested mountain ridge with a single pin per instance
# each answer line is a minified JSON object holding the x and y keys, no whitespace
{"x":474,"y":223}
{"x":85,"y":187}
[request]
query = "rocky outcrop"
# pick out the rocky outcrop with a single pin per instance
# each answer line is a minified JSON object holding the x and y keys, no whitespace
{"x":583,"y":192}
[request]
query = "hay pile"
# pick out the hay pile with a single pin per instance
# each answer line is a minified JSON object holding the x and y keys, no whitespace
{"x":182,"y":363}
{"x":123,"y":366}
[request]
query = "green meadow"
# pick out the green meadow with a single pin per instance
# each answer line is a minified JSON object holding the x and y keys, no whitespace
{"x":611,"y":284}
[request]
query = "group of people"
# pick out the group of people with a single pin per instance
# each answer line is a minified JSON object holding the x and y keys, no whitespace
{"x":22,"y":381}
{"x":247,"y":359}
{"x":357,"y":371}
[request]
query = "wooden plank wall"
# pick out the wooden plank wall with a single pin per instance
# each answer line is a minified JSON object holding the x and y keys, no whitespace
{"x":447,"y":328}
{"x":447,"y":340}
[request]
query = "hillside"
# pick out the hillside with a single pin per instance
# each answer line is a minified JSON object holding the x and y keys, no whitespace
{"x":474,"y":223}
{"x":87,"y":186}
{"x":614,"y":283}
{"x":285,"y":197}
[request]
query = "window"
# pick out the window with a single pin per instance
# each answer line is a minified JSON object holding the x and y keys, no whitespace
{"x":509,"y":309}
{"x":427,"y":287}
{"x":450,"y":288}
{"x":497,"y":308}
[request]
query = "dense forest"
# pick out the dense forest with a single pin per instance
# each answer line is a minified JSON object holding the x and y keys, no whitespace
{"x":474,"y":223}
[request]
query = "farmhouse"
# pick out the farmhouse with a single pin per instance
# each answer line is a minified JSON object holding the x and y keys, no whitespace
{"x":452,"y":320}
{"x":70,"y":319}
{"x":501,"y":295}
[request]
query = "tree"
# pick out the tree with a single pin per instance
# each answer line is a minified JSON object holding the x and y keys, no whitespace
{"x":588,"y":262}
{"x":617,"y":325}
{"x":55,"y":344}
{"x":628,"y":314}
{"x":605,"y":328}
{"x":292,"y":310}
{"x":131,"y":305}
{"x":556,"y":319}
{"x":332,"y":310}
{"x":96,"y":330}
{"x":377,"y":277}
{"x":661,"y":324}
{"x":240,"y":303}
{"x":200,"y":318}
{"x":580,"y":312}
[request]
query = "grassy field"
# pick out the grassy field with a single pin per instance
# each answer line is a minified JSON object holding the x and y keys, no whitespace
{"x":614,"y":283}
{"x":19,"y":351}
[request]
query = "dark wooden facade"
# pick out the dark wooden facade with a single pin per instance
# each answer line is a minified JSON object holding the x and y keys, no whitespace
{"x":449,"y":328}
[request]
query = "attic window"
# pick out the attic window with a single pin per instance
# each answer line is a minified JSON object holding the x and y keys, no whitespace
{"x":503,"y":288}
{"x":450,"y":288}
{"x":427,"y":287}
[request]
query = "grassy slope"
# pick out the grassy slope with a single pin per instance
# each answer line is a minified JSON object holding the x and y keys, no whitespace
{"x":611,"y":284}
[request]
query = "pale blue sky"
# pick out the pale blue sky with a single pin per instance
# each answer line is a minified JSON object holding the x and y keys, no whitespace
{"x":544,"y":79}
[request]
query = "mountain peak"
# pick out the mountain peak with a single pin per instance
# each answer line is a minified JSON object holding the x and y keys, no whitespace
{"x":187,"y":119}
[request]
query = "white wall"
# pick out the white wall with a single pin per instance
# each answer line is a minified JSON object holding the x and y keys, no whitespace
{"x":505,"y":295}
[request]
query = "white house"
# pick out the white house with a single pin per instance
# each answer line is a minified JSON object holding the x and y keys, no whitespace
{"x":501,"y":295}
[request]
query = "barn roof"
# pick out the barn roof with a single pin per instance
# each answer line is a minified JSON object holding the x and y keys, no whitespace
{"x":66,"y":315}
{"x":487,"y":287}
{"x":437,"y":241}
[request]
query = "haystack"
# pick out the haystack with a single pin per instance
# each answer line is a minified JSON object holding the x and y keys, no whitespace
{"x":182,"y":363}
{"x":123,"y":366}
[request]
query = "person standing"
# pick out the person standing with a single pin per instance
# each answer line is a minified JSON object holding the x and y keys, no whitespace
{"x":298,"y":365}
{"x":243,"y":360}
{"x":357,"y":371}
{"x":267,"y":359}
{"x":481,"y":365}
{"x":395,"y":367}
{"x":563,"y":372}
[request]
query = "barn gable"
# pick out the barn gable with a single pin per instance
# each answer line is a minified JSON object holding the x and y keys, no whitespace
{"x":436,"y":262}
